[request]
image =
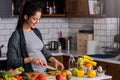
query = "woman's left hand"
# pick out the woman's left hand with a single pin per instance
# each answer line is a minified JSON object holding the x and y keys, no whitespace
{"x":57,"y":64}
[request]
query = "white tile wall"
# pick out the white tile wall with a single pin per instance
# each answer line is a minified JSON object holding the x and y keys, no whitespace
{"x":104,"y":29}
{"x":49,"y":28}
{"x":75,"y":25}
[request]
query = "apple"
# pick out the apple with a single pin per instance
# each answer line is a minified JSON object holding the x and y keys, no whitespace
{"x":69,"y":74}
{"x":60,"y":77}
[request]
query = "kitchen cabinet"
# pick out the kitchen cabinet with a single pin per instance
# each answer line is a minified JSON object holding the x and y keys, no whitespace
{"x":111,"y":69}
{"x":65,"y":8}
{"x":77,"y":8}
{"x":5,"y":8}
{"x":82,"y":8}
{"x":112,"y":8}
{"x":59,"y":9}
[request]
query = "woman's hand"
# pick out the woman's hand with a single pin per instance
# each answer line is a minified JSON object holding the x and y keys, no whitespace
{"x":57,"y":64}
{"x":35,"y":60}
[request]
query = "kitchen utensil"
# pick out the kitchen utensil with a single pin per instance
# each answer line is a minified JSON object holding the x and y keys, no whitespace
{"x":51,"y":68}
{"x":53,"y":45}
{"x":62,"y":42}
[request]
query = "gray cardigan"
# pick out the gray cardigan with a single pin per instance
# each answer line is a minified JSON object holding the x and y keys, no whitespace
{"x":17,"y":50}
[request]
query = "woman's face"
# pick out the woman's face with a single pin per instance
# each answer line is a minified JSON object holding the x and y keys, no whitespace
{"x":34,"y":20}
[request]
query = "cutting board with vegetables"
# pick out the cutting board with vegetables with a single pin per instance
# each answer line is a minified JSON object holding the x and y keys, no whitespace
{"x":19,"y":74}
{"x":48,"y":76}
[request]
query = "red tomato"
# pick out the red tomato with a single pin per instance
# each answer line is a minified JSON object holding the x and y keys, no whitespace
{"x":41,"y":77}
{"x":34,"y":76}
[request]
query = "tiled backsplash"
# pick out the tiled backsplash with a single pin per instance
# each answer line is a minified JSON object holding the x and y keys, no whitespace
{"x":49,"y":28}
{"x":75,"y":24}
{"x":103,"y":28}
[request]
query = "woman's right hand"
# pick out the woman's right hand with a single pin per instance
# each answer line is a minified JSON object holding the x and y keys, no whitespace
{"x":35,"y":60}
{"x":38,"y":61}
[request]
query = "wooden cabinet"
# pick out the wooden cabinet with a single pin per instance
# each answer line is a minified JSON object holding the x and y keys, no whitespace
{"x":82,"y":8}
{"x":111,"y":69}
{"x":64,"y":8}
{"x":77,"y":8}
{"x":114,"y":70}
{"x":59,"y":5}
{"x":72,"y":8}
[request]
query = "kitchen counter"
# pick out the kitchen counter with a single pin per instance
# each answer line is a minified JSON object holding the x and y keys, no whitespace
{"x":77,"y":54}
{"x":105,"y":77}
{"x":66,"y":53}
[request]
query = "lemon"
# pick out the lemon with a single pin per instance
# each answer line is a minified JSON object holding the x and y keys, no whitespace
{"x":91,"y":73}
{"x":74,"y":71}
{"x":80,"y":73}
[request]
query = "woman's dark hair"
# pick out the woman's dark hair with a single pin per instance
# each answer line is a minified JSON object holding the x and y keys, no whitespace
{"x":28,"y":8}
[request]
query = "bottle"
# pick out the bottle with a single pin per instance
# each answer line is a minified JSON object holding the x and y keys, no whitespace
{"x":50,"y":10}
{"x":59,"y":48}
{"x":47,"y":8}
{"x":54,"y":8}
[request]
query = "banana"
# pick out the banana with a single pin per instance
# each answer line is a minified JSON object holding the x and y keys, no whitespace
{"x":88,"y":57}
{"x":90,"y":61}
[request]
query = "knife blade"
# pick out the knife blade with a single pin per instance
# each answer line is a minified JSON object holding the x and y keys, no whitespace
{"x":51,"y":68}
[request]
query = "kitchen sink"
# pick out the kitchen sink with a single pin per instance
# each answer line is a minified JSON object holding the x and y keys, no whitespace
{"x":103,"y":55}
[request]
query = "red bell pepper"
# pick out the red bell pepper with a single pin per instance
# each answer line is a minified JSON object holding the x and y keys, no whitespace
{"x":19,"y":78}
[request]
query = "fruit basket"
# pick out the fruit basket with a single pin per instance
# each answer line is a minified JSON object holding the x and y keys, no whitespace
{"x":86,"y":66}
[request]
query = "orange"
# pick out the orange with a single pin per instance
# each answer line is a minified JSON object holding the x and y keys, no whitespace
{"x":91,"y":73}
{"x":88,"y":65}
{"x":63,"y":73}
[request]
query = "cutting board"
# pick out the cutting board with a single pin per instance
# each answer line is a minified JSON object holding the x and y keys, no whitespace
{"x":47,"y":75}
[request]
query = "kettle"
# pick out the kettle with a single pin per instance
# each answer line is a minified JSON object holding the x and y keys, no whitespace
{"x":53,"y":45}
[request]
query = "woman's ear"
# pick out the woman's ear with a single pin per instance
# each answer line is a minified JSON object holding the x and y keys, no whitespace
{"x":25,"y":17}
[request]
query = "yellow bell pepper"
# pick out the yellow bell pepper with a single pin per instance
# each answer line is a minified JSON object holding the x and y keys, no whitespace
{"x":12,"y":78}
